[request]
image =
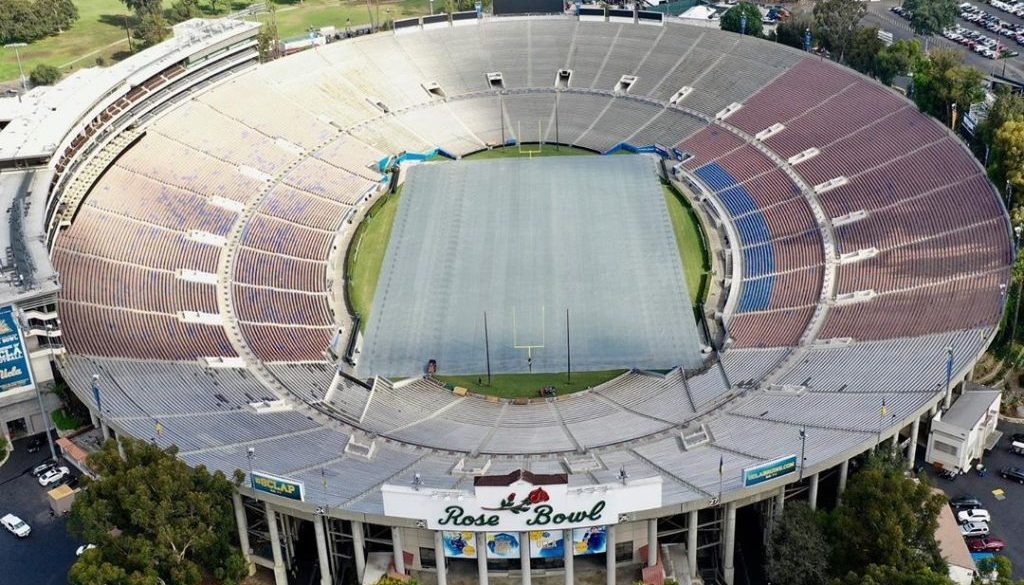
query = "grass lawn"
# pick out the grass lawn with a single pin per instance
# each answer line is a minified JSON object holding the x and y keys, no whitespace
{"x":99,"y":31}
{"x":696,"y":262}
{"x":366,"y":254}
{"x":529,"y":385}
{"x":514,"y":152}
{"x":64,"y":421}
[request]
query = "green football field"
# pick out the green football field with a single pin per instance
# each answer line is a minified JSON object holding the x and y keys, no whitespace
{"x":369,"y":245}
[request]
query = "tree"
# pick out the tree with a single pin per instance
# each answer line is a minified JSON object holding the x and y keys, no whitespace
{"x":143,"y":7}
{"x":60,"y":13}
{"x":266,"y":39}
{"x":1002,"y":569}
{"x":154,"y":519}
{"x":732,"y":20}
{"x":797,"y":553}
{"x":44,"y":75}
{"x":836,"y":23}
{"x":182,"y":10}
{"x":899,"y":58}
{"x":865,"y":49}
{"x":887,"y":519}
{"x":889,"y":575}
{"x":151,"y":29}
{"x":25,"y":21}
{"x":931,"y":16}
{"x":1009,"y":144}
{"x":942,"y":80}
{"x":791,"y":31}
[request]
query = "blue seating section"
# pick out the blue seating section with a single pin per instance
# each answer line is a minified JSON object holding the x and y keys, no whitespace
{"x":757,"y":294}
{"x":758,"y":252}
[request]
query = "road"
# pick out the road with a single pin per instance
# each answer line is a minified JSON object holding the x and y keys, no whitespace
{"x":879,"y":15}
{"x":46,"y":555}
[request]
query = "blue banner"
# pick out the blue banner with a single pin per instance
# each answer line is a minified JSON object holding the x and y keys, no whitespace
{"x":15,"y":371}
{"x":769,"y":471}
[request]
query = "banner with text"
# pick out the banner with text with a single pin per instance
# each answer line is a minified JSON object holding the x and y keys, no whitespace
{"x":769,"y":471}
{"x":277,"y":486}
{"x":15,"y":370}
{"x":521,"y":506}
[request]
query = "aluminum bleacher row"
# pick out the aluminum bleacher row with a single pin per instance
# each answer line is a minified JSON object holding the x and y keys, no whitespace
{"x":212,"y":240}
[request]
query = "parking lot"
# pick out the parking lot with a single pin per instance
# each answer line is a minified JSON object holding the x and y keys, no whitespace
{"x":880,"y":14}
{"x":45,"y":556}
{"x":1007,"y":521}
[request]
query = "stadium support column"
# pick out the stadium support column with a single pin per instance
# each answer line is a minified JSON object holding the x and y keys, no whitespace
{"x":609,"y":563}
{"x":439,"y":558}
{"x":844,"y":469}
{"x":321,"y":550}
{"x":652,"y":542}
{"x":243,"y":529}
{"x":780,"y":501}
{"x":524,"y":557}
{"x":728,"y":570}
{"x":915,"y":427}
{"x":481,"y":558}
{"x":812,"y":492}
{"x":396,"y":547}
{"x":358,"y":549}
{"x":280,"y":577}
{"x":568,"y":556}
{"x":691,"y":543}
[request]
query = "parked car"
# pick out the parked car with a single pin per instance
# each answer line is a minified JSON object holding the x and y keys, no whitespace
{"x":53,"y":476}
{"x":15,"y":526}
{"x":965,"y":502}
{"x":985,"y":544}
{"x":1012,"y":473}
{"x":43,"y":467}
{"x":35,"y":445}
{"x":973,"y":515}
{"x":81,"y":550}
{"x":974,"y":529}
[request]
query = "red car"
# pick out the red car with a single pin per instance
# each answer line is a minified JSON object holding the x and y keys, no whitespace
{"x":985,"y":544}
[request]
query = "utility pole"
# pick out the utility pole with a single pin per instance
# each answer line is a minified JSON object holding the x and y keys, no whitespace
{"x":568,"y":348}
{"x":21,"y":70}
{"x":487,"y":349}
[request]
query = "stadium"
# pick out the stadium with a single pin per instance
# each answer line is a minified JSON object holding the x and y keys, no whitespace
{"x":184,"y":223}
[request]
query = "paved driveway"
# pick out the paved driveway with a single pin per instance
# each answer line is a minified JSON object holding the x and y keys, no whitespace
{"x":1008,"y":513}
{"x":46,"y":555}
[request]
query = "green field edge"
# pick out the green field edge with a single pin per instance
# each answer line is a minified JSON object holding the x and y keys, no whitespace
{"x":529,"y":385}
{"x":691,"y":242}
{"x":365,"y":255}
{"x":529,"y":150}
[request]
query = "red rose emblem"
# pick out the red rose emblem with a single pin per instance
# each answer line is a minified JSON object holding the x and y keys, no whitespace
{"x":538,"y":495}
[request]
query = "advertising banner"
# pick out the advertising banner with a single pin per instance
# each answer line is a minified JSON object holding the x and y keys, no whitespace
{"x":769,"y":471}
{"x":546,"y":544}
{"x":277,"y":486}
{"x":589,"y":541}
{"x":502,"y":545}
{"x":459,"y":545}
{"x":15,"y":371}
{"x":521,"y":506}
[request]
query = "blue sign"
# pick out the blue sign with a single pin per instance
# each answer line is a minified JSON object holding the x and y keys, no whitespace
{"x":769,"y":471}
{"x":15,"y":371}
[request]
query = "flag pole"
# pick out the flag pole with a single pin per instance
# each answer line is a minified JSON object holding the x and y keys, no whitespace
{"x":487,"y":349}
{"x":568,"y":348}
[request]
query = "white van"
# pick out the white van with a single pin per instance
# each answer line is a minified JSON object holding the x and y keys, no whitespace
{"x":1017,"y":448}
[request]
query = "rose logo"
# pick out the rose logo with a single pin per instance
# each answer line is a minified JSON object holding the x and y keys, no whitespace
{"x":538,"y":495}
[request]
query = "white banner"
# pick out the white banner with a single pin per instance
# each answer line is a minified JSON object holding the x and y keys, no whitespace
{"x":521,"y":506}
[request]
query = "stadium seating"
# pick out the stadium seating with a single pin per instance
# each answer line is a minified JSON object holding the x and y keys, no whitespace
{"x":220,"y":233}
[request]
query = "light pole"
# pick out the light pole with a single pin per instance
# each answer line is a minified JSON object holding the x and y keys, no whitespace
{"x":803,"y":449}
{"x":21,"y":70}
{"x":1020,"y":280}
{"x":431,"y":7}
{"x":250,"y":454}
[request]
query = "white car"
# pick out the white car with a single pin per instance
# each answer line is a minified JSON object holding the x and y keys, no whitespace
{"x":974,"y":529}
{"x":53,"y":476}
{"x":975,"y":515}
{"x":15,"y":526}
{"x":81,"y":550}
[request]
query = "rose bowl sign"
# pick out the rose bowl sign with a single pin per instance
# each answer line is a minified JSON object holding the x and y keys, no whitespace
{"x":521,"y":501}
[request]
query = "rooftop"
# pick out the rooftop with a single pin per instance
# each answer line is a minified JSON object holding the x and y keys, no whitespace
{"x":971,"y":406}
{"x":25,"y":269}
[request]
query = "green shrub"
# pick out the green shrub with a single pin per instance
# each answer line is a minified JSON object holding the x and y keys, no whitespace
{"x":44,"y":75}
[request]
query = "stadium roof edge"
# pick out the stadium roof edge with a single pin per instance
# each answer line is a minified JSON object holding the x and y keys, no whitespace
{"x":40,"y":120}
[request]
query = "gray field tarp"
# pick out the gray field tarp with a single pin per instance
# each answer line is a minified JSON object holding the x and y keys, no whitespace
{"x":525,"y":240}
